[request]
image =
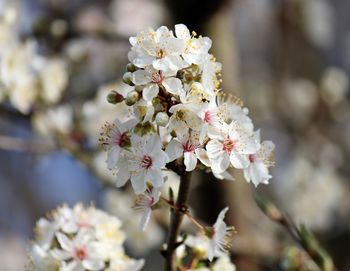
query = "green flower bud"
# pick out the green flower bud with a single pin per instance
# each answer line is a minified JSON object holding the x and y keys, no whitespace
{"x":162,"y":119}
{"x":114,"y":97}
{"x":127,"y":78}
{"x":131,"y":67}
{"x":132,"y":98}
{"x":139,"y":88}
{"x":144,"y":128}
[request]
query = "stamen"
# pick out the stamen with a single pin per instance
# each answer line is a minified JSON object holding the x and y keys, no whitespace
{"x":146,"y":162}
{"x":228,"y":145}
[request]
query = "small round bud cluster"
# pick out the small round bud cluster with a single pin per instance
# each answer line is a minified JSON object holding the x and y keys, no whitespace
{"x":80,"y":239}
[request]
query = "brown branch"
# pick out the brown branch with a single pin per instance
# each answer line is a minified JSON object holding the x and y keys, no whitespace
{"x":176,"y":219}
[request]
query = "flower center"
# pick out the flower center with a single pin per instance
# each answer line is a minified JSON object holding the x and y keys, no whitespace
{"x":122,"y":139}
{"x":146,"y":162}
{"x":150,"y":201}
{"x":180,"y":115}
{"x":208,"y":117}
{"x":228,"y":145}
{"x":80,"y":253}
{"x":252,"y":158}
{"x":188,"y":146}
{"x":160,"y":53}
{"x":157,"y":77}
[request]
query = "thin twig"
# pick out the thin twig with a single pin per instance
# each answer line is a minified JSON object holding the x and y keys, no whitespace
{"x":24,"y":145}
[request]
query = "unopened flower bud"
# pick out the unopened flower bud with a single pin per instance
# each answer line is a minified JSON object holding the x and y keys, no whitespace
{"x":138,"y":88}
{"x":144,"y":128}
{"x":131,"y":67}
{"x":127,"y":78}
{"x":132,"y":98}
{"x":114,"y":97}
{"x":162,"y":119}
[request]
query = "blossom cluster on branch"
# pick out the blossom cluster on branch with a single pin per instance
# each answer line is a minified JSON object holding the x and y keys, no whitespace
{"x":80,"y":238}
{"x":179,"y":113}
{"x":179,"y":119}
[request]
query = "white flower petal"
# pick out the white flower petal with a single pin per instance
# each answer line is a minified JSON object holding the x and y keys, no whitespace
{"x":174,"y":150}
{"x":190,"y":161}
{"x":60,"y":254}
{"x":172,"y":85}
{"x":203,"y":156}
{"x":93,"y":264}
{"x":138,"y":182}
{"x":150,"y":92}
{"x":239,"y":161}
{"x":156,"y":177}
{"x":113,"y":157}
{"x":182,"y":32}
{"x":64,"y":241}
{"x":145,"y":219}
{"x":141,"y":77}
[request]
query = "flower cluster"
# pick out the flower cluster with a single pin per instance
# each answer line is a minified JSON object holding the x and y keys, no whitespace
{"x":80,"y":239}
{"x":179,"y":114}
{"x":25,"y":76}
{"x":179,"y":120}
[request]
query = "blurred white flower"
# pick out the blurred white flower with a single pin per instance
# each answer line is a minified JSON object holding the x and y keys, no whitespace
{"x":79,"y":239}
{"x":319,"y":191}
{"x":299,"y":100}
{"x":80,"y":252}
{"x":24,"y":93}
{"x":318,"y":18}
{"x":54,"y":79}
{"x":54,"y":120}
{"x":334,"y":85}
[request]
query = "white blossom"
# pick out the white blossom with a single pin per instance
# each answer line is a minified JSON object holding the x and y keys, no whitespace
{"x":79,"y":252}
{"x":196,"y":49}
{"x":257,"y":171}
{"x":233,"y":147}
{"x":187,"y":145}
{"x":153,"y":79}
{"x":115,"y":137}
{"x":157,"y":48}
{"x":54,"y":79}
{"x":146,"y":162}
{"x":220,"y":236}
{"x":145,"y":203}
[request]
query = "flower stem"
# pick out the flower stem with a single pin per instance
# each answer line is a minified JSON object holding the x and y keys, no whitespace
{"x":176,"y":219}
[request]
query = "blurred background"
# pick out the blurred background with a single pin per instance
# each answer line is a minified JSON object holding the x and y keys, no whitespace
{"x":289,"y":62}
